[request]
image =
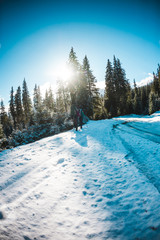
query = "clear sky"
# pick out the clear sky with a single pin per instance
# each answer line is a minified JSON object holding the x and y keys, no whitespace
{"x":36,"y":38}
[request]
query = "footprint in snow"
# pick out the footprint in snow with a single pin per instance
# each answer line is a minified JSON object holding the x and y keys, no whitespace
{"x":26,"y":238}
{"x":64,"y":165}
{"x":61,"y":160}
{"x":95,"y":180}
{"x":87,"y":186}
{"x":84,"y":193}
{"x":99,"y":200}
{"x":108,"y":195}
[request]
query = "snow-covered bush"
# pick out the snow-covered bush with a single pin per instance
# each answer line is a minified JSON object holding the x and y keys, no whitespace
{"x":60,"y":122}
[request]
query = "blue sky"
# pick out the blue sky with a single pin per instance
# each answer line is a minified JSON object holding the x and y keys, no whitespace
{"x":36,"y":38}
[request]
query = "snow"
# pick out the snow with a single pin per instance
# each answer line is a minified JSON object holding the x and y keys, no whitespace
{"x":102,"y":182}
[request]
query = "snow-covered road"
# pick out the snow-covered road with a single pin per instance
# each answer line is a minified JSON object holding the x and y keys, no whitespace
{"x":99,"y":183}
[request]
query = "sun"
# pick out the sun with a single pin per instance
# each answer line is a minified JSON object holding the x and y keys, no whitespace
{"x":64,"y":72}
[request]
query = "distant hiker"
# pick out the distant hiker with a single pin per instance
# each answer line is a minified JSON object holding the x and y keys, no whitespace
{"x":81,"y":117}
{"x":76,"y":118}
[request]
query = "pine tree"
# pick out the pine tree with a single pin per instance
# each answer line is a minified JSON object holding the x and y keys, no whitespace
{"x":93,"y":98}
{"x":83,"y":91}
{"x":152,"y":102}
{"x":158,"y":76}
{"x":19,"y":109}
{"x":51,"y":101}
{"x":117,"y":89}
{"x":12,"y":107}
{"x":1,"y":131}
{"x":37,"y":99}
{"x":46,"y":101}
{"x":137,"y":100}
{"x":121,"y":87}
{"x":155,"y":84}
{"x":144,"y":100}
{"x":109,"y":96}
{"x":2,"y":113}
{"x":129,"y":105}
{"x":73,"y":62}
{"x":6,"y":124}
{"x":39,"y":113}
{"x":27,"y":105}
{"x":60,"y":98}
{"x":74,"y":65}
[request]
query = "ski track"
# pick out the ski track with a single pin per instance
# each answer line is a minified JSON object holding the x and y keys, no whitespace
{"x":93,"y":184}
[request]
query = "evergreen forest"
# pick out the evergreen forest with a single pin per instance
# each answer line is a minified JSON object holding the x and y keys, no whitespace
{"x":27,"y":113}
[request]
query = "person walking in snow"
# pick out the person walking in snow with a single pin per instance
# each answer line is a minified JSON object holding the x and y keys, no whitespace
{"x":76,"y":118}
{"x":81,"y":117}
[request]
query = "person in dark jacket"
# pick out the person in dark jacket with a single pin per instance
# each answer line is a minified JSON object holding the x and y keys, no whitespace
{"x":81,"y":117}
{"x":76,"y":118}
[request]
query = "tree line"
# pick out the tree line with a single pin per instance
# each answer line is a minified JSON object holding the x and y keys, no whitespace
{"x":80,"y":90}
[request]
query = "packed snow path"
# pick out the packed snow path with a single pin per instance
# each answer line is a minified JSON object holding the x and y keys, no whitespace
{"x":99,"y":183}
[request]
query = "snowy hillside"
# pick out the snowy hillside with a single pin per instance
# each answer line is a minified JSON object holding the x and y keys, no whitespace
{"x":99,"y":183}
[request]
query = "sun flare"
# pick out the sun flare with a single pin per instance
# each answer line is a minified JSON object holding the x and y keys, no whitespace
{"x":63,"y":72}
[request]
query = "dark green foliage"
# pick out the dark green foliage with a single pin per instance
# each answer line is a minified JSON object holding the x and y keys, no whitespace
{"x":109,"y":97}
{"x":38,"y":106}
{"x":49,"y":102}
{"x":152,"y":102}
{"x":19,"y":109}
{"x":81,"y":87}
{"x":60,"y":123}
{"x":73,"y":83}
{"x":1,"y":131}
{"x":78,"y":91}
{"x":12,"y":107}
{"x":88,"y":94}
{"x":117,"y":89}
{"x":27,"y":105}
{"x":5,"y":121}
{"x":63,"y":99}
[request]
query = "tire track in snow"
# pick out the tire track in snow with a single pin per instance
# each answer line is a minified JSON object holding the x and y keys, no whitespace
{"x":139,"y":162}
{"x":138,"y":132}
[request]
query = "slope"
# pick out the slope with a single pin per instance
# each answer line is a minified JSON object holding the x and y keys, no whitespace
{"x":98,"y":183}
